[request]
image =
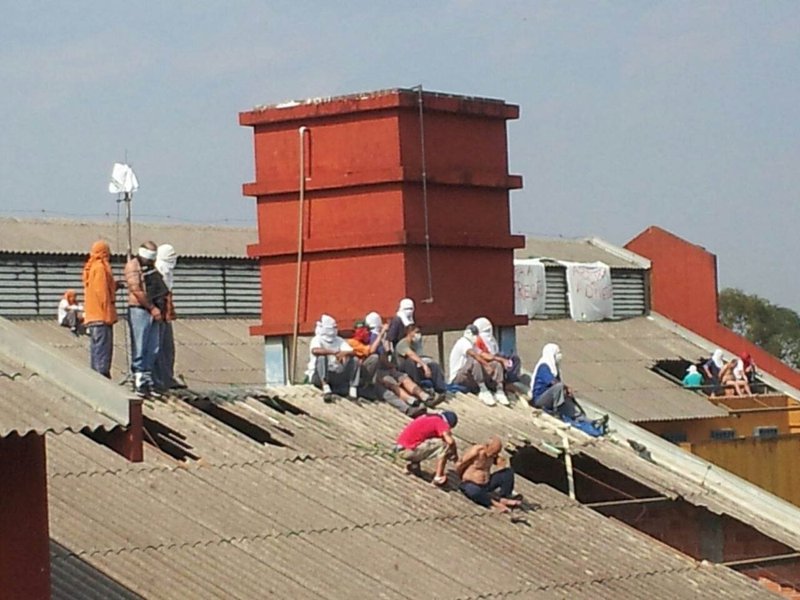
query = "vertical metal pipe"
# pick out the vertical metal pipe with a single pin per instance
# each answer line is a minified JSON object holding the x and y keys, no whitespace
{"x":425,"y":195}
{"x":568,"y":465}
{"x":296,"y":330}
{"x":128,"y":223}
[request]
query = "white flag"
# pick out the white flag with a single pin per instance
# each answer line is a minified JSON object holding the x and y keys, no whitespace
{"x":123,"y":180}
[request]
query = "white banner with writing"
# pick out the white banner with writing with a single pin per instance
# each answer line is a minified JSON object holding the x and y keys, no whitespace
{"x":589,"y":290}
{"x":530,"y":287}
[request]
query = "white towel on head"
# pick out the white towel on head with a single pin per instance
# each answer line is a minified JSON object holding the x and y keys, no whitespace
{"x":406,"y":311}
{"x":166,"y":259}
{"x":550,"y":353}
{"x":326,"y":328}
{"x":486,"y":331}
{"x":373,"y":321}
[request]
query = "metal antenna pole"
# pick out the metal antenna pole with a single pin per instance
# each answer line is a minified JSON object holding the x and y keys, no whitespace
{"x":127,"y":201}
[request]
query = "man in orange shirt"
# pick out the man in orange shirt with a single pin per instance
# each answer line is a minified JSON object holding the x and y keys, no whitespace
{"x":100,"y":311}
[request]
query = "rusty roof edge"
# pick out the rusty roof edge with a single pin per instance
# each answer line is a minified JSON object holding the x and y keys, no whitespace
{"x":87,"y":386}
{"x":692,"y":468}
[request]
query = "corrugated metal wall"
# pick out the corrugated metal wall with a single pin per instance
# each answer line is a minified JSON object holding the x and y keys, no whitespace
{"x":770,"y":464}
{"x":629,"y":286}
{"x":32,"y":285}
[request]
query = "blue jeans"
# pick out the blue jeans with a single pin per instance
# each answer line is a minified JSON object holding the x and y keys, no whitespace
{"x":145,"y":333}
{"x":481,"y":494}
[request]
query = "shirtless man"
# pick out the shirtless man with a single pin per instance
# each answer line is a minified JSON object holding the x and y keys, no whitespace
{"x":477,"y":480}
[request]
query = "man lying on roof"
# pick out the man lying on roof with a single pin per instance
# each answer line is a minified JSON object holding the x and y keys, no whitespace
{"x":478,"y":482}
{"x":427,"y":437}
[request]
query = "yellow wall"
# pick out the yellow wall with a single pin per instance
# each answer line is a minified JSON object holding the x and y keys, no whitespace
{"x":770,"y":464}
{"x":699,"y":430}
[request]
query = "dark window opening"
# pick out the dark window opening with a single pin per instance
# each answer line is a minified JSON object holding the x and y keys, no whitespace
{"x":676,"y":437}
{"x":691,"y":529}
{"x":280,"y":405}
{"x":593,"y":481}
{"x":167,"y":440}
{"x":726,"y":433}
{"x":765,"y":432}
{"x":234,"y":421}
{"x":674,"y":369}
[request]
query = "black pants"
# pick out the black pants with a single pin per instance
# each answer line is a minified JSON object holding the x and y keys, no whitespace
{"x":410,"y":368}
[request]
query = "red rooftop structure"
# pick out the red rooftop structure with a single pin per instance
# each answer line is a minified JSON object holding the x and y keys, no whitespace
{"x":684,"y":289}
{"x":365,"y":199}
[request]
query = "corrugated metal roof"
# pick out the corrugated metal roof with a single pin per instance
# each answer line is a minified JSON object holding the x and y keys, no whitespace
{"x":609,"y":363}
{"x":73,"y":578}
{"x":330,"y":515}
{"x":61,"y":236}
{"x":210,"y":353}
{"x":30,"y":403}
{"x":39,"y":394}
{"x":580,"y":250}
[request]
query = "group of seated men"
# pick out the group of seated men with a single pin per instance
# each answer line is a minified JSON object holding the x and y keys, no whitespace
{"x":386,"y":361}
{"x":722,"y":377}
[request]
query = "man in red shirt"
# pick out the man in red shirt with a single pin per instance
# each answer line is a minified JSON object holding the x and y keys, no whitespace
{"x":427,"y":437}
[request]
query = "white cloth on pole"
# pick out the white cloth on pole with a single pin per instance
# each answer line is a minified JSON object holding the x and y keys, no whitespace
{"x":589,"y":291}
{"x":123,"y":180}
{"x":530,"y":287}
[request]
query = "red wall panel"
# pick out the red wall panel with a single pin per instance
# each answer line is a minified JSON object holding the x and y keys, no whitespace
{"x":24,"y":532}
{"x":683,"y":281}
{"x":364,"y":232}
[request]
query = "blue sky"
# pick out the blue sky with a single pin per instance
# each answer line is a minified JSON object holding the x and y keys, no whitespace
{"x":677,"y":114}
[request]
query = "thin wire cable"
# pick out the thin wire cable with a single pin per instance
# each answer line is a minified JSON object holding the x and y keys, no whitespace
{"x":425,"y":194}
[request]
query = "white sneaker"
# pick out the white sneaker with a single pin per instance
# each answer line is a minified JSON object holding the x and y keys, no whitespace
{"x":486,"y":397}
{"x":501,"y":397}
{"x":353,"y":392}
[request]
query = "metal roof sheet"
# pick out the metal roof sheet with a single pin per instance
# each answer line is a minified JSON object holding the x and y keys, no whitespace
{"x":38,"y":394}
{"x":210,"y":353}
{"x":330,"y":515}
{"x":73,"y":578}
{"x":610,"y":364}
{"x":61,"y":236}
{"x":581,"y":250}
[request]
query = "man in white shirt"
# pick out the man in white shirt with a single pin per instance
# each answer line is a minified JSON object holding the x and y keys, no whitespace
{"x":332,"y":365}
{"x":469,"y":370}
{"x":70,"y":313}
